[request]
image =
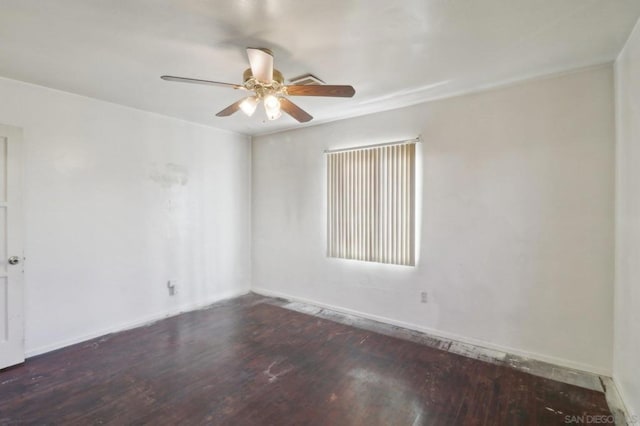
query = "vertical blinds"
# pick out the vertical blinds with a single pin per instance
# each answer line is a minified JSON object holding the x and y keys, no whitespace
{"x":371,"y":203}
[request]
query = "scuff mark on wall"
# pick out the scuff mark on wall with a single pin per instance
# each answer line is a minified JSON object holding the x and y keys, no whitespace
{"x":169,"y":175}
{"x":172,"y":180}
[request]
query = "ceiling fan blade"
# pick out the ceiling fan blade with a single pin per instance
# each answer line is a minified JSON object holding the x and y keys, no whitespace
{"x":321,"y":90}
{"x":261,"y":61}
{"x":234,"y":107}
{"x":294,"y":110}
{"x":196,"y":81}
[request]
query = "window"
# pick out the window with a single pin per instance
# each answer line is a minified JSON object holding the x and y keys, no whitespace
{"x":371,"y":203}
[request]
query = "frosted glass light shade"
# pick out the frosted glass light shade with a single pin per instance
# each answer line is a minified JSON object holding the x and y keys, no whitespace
{"x":249,"y":105}
{"x":272,"y":107}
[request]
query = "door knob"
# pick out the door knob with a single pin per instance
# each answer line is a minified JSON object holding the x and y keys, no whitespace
{"x":14,"y":260}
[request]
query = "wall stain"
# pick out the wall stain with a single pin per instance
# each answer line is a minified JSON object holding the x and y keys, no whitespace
{"x":169,"y":175}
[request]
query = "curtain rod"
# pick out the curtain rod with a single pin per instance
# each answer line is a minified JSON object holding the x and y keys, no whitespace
{"x":377,"y":145}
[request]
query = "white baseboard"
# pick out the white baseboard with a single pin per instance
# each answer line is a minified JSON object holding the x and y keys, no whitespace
{"x":633,"y":418}
{"x":561,"y":362}
{"x":138,"y":322}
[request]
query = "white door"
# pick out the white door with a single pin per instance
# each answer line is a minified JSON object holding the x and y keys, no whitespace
{"x":11,"y":250}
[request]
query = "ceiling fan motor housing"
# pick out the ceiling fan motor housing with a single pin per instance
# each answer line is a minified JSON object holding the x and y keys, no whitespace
{"x":277,"y":76}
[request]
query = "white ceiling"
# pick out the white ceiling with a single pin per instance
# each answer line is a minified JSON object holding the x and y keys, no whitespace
{"x":394,"y":53}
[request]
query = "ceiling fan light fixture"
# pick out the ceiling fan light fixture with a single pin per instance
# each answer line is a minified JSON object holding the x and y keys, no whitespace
{"x":272,"y":107}
{"x":249,"y":105}
{"x":271,"y":102}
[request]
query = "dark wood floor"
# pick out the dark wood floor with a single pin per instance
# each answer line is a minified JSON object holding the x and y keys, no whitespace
{"x":247,"y":362}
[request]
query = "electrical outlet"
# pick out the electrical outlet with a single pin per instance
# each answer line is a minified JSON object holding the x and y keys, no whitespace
{"x":171,"y":285}
{"x":423,"y":297}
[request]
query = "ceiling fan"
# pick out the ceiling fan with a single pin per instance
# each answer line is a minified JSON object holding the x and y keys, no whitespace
{"x":267,"y":85}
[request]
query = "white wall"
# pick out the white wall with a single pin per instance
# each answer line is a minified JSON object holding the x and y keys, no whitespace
{"x":118,"y":201}
{"x":626,"y":367}
{"x":516,"y":241}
